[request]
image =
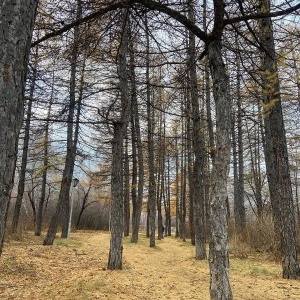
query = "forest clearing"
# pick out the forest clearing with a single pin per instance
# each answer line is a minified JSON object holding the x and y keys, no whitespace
{"x":76,"y":269}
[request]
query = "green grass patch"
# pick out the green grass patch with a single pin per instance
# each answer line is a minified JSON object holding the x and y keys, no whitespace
{"x":73,"y":243}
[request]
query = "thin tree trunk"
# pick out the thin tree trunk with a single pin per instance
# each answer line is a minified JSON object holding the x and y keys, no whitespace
{"x":152,"y":183}
{"x":62,"y":211}
{"x":116,"y":227}
{"x":177,"y":202}
{"x":38,"y":228}
{"x":17,"y":18}
{"x":239,"y":207}
{"x":126,"y":184}
{"x":183,"y":192}
{"x":137,"y":206}
{"x":198,"y":147}
{"x":22,"y":173}
{"x":83,"y":206}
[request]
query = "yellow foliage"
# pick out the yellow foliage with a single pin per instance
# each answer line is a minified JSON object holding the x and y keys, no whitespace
{"x":268,"y":106}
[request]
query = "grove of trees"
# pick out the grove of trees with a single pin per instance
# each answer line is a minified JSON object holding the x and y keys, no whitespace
{"x":185,"y":112}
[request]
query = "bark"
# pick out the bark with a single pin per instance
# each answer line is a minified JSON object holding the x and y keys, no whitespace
{"x":160,"y":172}
{"x":190,"y":161}
{"x":137,"y":205}
{"x":276,"y":155}
{"x":62,"y":211}
{"x":17,"y":18}
{"x":177,"y":202}
{"x":183,"y":190}
{"x":126,"y":185}
{"x":38,"y":229}
{"x":239,"y":205}
{"x":116,"y":223}
{"x":218,"y":247}
{"x":168,"y":229}
{"x":120,"y":126}
{"x":152,"y":183}
{"x":22,"y":173}
{"x":198,"y":147}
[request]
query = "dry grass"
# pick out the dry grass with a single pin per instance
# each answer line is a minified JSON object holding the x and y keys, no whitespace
{"x":76,"y":269}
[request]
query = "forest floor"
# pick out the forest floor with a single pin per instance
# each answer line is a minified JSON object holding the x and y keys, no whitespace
{"x":76,"y":269}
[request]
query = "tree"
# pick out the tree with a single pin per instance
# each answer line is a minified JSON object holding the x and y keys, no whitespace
{"x":63,"y":206}
{"x":276,"y":151}
{"x":120,"y":126}
{"x":198,"y":147}
{"x":17,"y":19}
{"x":22,"y":173}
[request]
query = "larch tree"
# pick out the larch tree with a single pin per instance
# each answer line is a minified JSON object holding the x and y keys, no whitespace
{"x":63,"y":206}
{"x":17,"y":19}
{"x":119,"y":132}
{"x":277,"y":163}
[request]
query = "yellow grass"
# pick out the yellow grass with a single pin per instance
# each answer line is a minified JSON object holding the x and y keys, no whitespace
{"x":76,"y":269}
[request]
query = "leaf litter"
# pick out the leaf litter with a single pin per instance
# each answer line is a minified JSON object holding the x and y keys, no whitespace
{"x":75,"y":269}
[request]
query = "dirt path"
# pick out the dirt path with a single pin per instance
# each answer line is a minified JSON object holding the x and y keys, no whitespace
{"x":76,"y":269}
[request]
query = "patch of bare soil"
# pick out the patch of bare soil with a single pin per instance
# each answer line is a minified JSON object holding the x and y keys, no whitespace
{"x":76,"y":269}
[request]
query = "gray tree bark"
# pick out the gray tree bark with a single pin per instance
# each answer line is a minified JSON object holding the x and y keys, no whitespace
{"x":39,"y":220}
{"x":62,"y":210}
{"x":126,"y":185}
{"x":239,"y":203}
{"x":218,"y":247}
{"x":120,"y":126}
{"x":152,"y":182}
{"x":17,"y":19}
{"x":22,"y":174}
{"x":276,"y":155}
{"x":137,"y":205}
{"x":198,"y":147}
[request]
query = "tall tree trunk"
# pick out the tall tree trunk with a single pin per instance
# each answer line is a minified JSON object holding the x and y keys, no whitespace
{"x":218,"y":247}
{"x":17,"y":18}
{"x":276,"y":154}
{"x":168,"y":229}
{"x":159,"y":171}
{"x":239,"y":205}
{"x":198,"y":147}
{"x":152,"y":183}
{"x":62,"y":211}
{"x":22,"y":174}
{"x":137,"y":205}
{"x":116,"y":227}
{"x":177,"y":202}
{"x":126,"y":185}
{"x":38,"y":228}
{"x":190,"y":161}
{"x":183,"y":188}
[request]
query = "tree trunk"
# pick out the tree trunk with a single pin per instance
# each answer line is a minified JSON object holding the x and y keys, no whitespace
{"x":239,"y":204}
{"x":152,"y":183}
{"x":137,"y":206}
{"x":38,"y":228}
{"x":198,"y":147}
{"x":218,"y":250}
{"x":22,"y":173}
{"x":177,"y":202}
{"x":126,"y":185}
{"x":84,"y":205}
{"x":17,"y":18}
{"x":116,"y":227}
{"x":276,"y":152}
{"x":62,"y":211}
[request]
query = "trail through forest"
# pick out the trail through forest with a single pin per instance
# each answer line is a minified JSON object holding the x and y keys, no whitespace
{"x":76,"y":269}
